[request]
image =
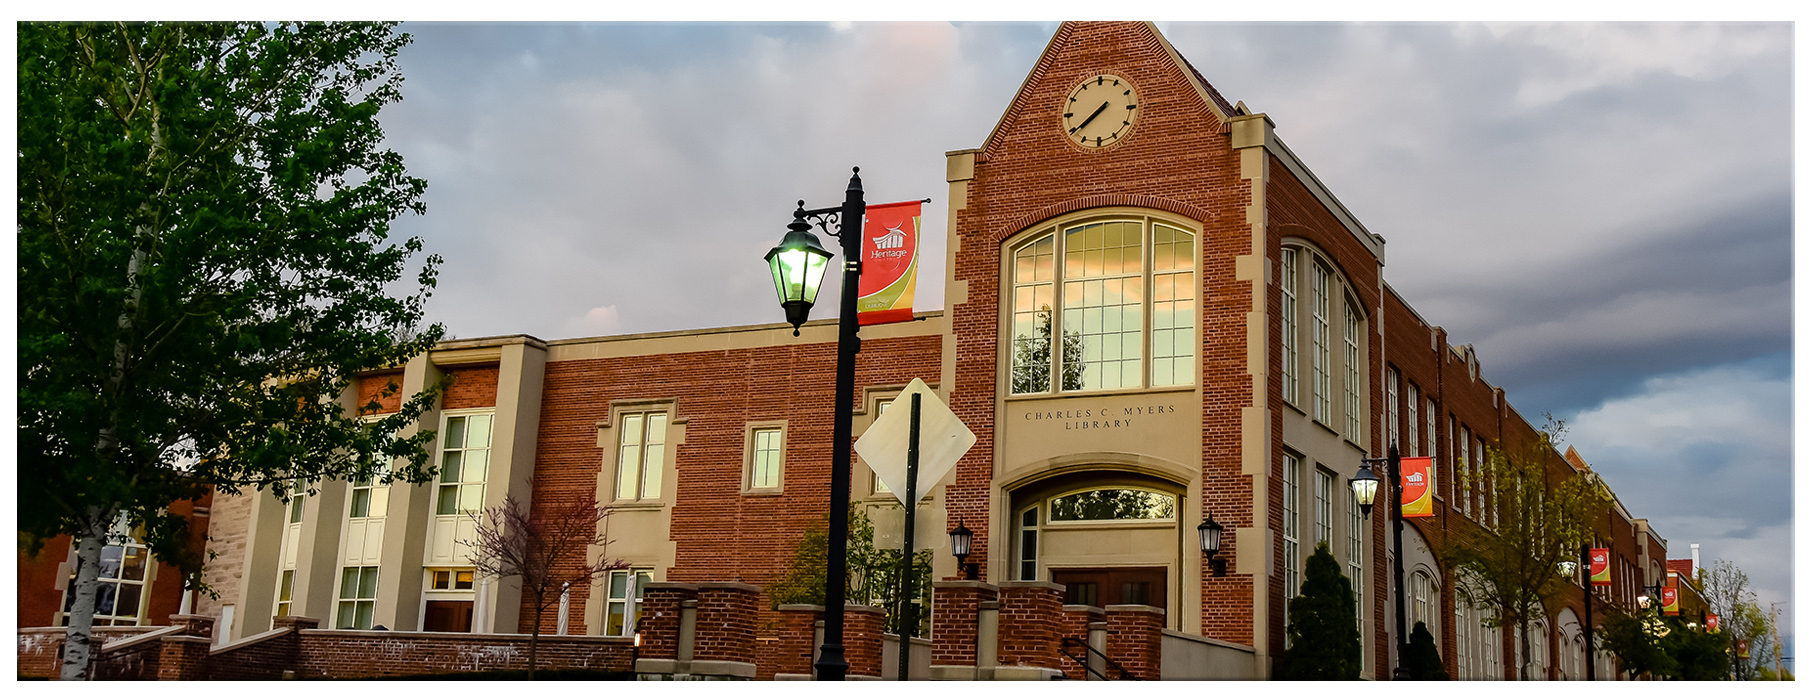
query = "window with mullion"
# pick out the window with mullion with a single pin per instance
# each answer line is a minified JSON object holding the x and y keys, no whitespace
{"x":1356,"y":554}
{"x":466,"y":451}
{"x":1290,"y":523}
{"x":1322,"y":344}
{"x":642,"y":439}
{"x":1322,"y":507}
{"x":1432,"y":429}
{"x":1096,"y":302}
{"x":1353,"y":377}
{"x":624,"y":598}
{"x":359,"y":595}
{"x":1290,"y":333}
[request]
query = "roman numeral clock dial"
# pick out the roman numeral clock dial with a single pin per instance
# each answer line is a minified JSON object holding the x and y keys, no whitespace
{"x":1099,"y":111}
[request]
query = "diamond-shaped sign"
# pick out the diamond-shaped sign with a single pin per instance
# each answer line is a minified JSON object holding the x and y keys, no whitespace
{"x":885,"y":445}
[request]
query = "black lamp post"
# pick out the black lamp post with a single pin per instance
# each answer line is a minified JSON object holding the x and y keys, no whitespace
{"x":961,"y":540}
{"x":797,"y":265}
{"x":1364,"y":487}
{"x":1590,"y":659}
{"x":1210,"y":533}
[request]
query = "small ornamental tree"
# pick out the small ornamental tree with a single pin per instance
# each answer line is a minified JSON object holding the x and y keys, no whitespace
{"x":1423,"y":656}
{"x":1698,"y":655}
{"x":1322,"y":625}
{"x":543,"y":548}
{"x":1636,"y":640}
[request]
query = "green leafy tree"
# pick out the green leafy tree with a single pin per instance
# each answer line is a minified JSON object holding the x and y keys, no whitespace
{"x":1637,"y":641}
{"x":1739,"y":615}
{"x":1698,"y":655}
{"x":1324,"y":643}
{"x":204,"y":266}
{"x":1511,"y":567}
{"x":872,"y":574}
{"x":1424,"y":663}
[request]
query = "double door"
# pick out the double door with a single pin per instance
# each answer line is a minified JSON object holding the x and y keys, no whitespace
{"x":1103,"y":587}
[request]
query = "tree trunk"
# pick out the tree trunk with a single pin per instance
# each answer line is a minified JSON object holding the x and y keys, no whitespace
{"x":1526,"y":650}
{"x":81,"y":622}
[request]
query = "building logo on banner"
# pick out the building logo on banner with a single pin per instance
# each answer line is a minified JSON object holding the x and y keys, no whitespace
{"x":1669,"y":596}
{"x":1710,"y":622}
{"x":888,"y":249}
{"x":1417,"y":487}
{"x":1600,"y":567}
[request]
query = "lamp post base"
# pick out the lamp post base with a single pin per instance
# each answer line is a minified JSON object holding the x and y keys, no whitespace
{"x":832,"y":665}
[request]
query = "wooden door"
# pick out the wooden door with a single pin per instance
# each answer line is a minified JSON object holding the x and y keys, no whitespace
{"x":1115,"y":586}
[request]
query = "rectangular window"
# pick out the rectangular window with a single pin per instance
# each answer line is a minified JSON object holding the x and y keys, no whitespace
{"x":1290,"y":335}
{"x":1032,"y":318}
{"x":1102,"y":306}
{"x":120,"y":591}
{"x":624,"y":597}
{"x":359,"y":594}
{"x":877,"y":485}
{"x":451,"y":579}
{"x":1353,"y":377}
{"x":1391,"y":432}
{"x":1290,"y":522}
{"x":1026,"y":547}
{"x":1322,"y":507}
{"x":641,"y":443}
{"x":1411,"y":438}
{"x":466,"y":449}
{"x":1482,"y":483}
{"x":1356,"y":554}
{"x":1171,"y":314}
{"x":286,"y":579}
{"x":766,"y":459}
{"x":1322,"y":344}
{"x":1432,"y":429}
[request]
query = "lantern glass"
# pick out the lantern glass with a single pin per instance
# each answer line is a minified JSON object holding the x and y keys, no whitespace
{"x":797,"y":265}
{"x":1209,"y":535}
{"x":961,"y":540}
{"x":1567,"y":568}
{"x":1641,"y":600}
{"x":1364,"y":486}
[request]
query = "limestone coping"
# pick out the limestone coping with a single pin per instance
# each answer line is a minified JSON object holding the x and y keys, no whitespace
{"x":1050,"y":585}
{"x":1147,"y":609}
{"x":974,"y":585}
{"x":1090,"y":610}
{"x":799,"y":607}
{"x":725,"y":585}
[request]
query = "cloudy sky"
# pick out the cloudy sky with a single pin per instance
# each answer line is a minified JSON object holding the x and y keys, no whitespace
{"x":1603,"y":210}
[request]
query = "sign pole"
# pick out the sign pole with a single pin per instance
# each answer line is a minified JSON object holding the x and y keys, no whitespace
{"x":907,"y":618}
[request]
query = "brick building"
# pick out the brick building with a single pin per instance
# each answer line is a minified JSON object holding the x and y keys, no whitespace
{"x":1155,"y":314}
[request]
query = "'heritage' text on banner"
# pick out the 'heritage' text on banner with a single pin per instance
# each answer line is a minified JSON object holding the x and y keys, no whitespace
{"x":887,"y":278}
{"x":1417,"y":487}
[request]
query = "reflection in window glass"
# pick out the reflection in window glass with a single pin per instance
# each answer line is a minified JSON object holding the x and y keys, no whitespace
{"x":1027,"y":546}
{"x":1032,"y":317}
{"x":466,"y":448}
{"x":1102,"y":306}
{"x":1171,"y":315}
{"x":1111,"y":504}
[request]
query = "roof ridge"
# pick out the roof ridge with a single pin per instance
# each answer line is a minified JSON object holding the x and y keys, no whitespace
{"x":1223,"y":105}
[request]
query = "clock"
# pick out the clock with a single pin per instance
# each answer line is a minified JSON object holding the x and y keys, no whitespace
{"x":1099,"y":112}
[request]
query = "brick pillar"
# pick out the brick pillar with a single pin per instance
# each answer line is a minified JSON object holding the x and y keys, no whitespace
{"x":196,"y":625}
{"x":295,"y":623}
{"x":725,"y":626}
{"x":795,"y":639}
{"x":1076,"y":622}
{"x":1134,"y":639}
{"x":183,"y":657}
{"x":864,"y":640}
{"x":955,"y":627}
{"x":661,"y":620}
{"x":1029,"y":624}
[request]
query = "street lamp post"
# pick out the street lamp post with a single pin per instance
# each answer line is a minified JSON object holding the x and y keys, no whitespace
{"x":1590,"y":655}
{"x":797,"y":265}
{"x":1364,"y":487}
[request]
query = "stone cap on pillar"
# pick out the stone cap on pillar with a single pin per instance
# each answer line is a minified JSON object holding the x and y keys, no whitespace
{"x":799,"y":607}
{"x":198,"y":625}
{"x":979,"y":586}
{"x":858,"y":608}
{"x":671,"y":586}
{"x":1050,"y":585}
{"x":295,"y":622}
{"x":1148,"y":609}
{"x":720,"y":585}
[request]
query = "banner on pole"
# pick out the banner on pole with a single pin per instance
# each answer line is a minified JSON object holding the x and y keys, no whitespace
{"x":1600,"y":567}
{"x":1669,"y":596}
{"x":888,"y":248}
{"x":1417,"y":487}
{"x":1710,"y":622}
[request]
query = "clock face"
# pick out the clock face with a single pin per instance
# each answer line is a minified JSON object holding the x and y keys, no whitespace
{"x":1099,"y":112}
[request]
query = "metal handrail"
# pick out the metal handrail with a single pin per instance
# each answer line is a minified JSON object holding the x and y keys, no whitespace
{"x":1123,"y":674}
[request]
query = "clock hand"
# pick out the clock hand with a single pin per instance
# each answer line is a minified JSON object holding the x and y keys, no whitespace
{"x":1095,"y":113}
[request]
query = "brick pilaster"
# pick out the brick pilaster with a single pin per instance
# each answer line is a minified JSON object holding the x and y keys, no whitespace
{"x":661,"y":621}
{"x":1134,"y":639}
{"x":1076,"y":621}
{"x":1029,"y":624}
{"x":795,"y":639}
{"x":955,"y":626}
{"x":864,"y":640}
{"x":725,"y":624}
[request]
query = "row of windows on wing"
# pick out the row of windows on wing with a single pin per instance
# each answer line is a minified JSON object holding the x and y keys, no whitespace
{"x":1466,"y":459}
{"x":1123,"y":293}
{"x":1313,"y":296}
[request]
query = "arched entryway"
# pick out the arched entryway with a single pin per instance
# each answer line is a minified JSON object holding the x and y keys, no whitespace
{"x":1112,"y":537}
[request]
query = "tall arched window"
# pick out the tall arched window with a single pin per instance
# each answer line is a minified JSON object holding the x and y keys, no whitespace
{"x":1125,"y":301}
{"x":1314,"y":299}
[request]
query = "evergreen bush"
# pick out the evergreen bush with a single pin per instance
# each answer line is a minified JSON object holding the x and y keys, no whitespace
{"x":1322,"y":625}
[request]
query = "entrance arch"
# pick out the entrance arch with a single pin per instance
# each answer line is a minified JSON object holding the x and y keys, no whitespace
{"x":1111,"y":535}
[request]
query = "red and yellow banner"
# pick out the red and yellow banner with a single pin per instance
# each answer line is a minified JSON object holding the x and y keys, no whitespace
{"x":1600,"y":567}
{"x":1669,"y":596}
{"x":888,"y":248}
{"x":1417,"y":487}
{"x":1710,"y":622}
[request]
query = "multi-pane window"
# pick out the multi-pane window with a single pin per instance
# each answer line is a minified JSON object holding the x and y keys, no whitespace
{"x":877,"y":484}
{"x":1356,"y":553}
{"x":368,"y":498}
{"x":294,"y":510}
{"x":1322,"y":345}
{"x":451,"y":579}
{"x":766,"y":458}
{"x":359,"y":594}
{"x":624,"y":597}
{"x":641,"y":444}
{"x":1290,"y":522}
{"x":466,"y":450}
{"x":1103,"y":269}
{"x":1322,"y":507}
{"x":1290,"y":332}
{"x":1412,"y":437}
{"x":1394,"y":427}
{"x":1432,"y":429}
{"x":286,"y":580}
{"x":1353,"y":377}
{"x":1452,"y":458}
{"x":1425,"y":600}
{"x":1026,"y":547}
{"x":120,"y":591}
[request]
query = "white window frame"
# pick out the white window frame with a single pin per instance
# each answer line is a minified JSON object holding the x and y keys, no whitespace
{"x":1353,"y":375}
{"x":646,"y":475}
{"x":1290,"y":330}
{"x":628,"y":599}
{"x":469,"y":495}
{"x":355,"y":597}
{"x":1322,"y":506}
{"x":1392,"y":431}
{"x":757,"y":433}
{"x":1291,"y":465}
{"x":1322,"y":344}
{"x":1432,"y":429}
{"x":118,"y":537}
{"x":1411,"y":438}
